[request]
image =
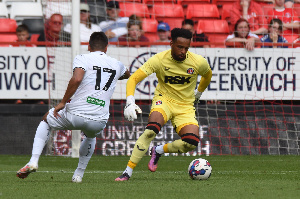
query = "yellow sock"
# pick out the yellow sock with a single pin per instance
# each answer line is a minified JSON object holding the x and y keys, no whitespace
{"x":141,"y":146}
{"x":131,"y":164}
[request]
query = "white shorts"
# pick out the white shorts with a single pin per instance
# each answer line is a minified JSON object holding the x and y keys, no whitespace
{"x":68,"y":121}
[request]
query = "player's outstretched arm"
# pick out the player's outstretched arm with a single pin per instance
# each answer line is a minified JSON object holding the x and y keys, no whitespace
{"x":204,"y":82}
{"x":71,"y":89}
{"x":131,"y":108}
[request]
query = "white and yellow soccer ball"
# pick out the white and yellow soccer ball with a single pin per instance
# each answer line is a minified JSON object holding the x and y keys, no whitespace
{"x":199,"y":169}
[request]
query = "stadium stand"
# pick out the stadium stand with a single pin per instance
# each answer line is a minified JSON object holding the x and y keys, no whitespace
{"x":25,"y":10}
{"x":139,"y":9}
{"x":3,"y":11}
{"x":7,"y":31}
{"x":150,"y":29}
{"x":8,"y":25}
{"x":216,"y":30}
{"x":163,"y":11}
{"x":205,"y":11}
{"x":35,"y":26}
{"x":173,"y":23}
{"x":64,"y":8}
{"x":151,"y":2}
{"x":213,"y":26}
{"x":149,"y":25}
{"x":97,"y":11}
{"x":186,"y":2}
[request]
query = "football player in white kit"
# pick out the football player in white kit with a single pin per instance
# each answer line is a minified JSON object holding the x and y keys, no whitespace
{"x":93,"y":82}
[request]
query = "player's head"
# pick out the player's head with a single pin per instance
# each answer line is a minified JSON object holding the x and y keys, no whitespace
{"x":98,"y":42}
{"x":22,"y":32}
{"x":181,"y":40}
{"x":241,"y":28}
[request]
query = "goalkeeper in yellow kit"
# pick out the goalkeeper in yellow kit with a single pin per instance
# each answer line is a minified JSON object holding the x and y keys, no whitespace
{"x":177,"y":71}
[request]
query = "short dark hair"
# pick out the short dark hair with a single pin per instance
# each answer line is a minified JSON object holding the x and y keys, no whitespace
{"x":276,"y":21}
{"x":22,"y":28}
{"x":188,"y":21}
{"x":180,"y":32}
{"x":98,"y":41}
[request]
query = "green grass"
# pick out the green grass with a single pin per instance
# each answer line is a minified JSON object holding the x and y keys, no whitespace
{"x":232,"y":177}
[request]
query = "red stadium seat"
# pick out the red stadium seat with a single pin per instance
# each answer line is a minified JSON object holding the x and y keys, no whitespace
{"x":163,"y":11}
{"x":226,"y":12}
{"x":213,"y":26}
{"x":219,"y":39}
{"x":149,"y":25}
{"x":173,"y":23}
{"x":8,"y":25}
{"x":34,"y":37}
{"x":151,"y":2}
{"x":216,"y":30}
{"x":139,"y":9}
{"x":152,"y":37}
{"x":196,"y":11}
{"x":7,"y":38}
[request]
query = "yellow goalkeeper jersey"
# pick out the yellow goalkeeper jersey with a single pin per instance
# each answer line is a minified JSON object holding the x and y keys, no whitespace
{"x":176,"y":80}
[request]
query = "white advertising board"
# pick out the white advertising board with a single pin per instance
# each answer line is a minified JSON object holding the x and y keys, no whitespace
{"x":270,"y":74}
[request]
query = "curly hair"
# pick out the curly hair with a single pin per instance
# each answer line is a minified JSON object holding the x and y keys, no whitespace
{"x":180,"y":32}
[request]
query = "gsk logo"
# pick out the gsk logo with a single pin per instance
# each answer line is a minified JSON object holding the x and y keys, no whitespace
{"x":148,"y":85}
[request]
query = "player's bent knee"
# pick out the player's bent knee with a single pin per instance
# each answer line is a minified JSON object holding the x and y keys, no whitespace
{"x":191,"y":141}
{"x":153,"y":129}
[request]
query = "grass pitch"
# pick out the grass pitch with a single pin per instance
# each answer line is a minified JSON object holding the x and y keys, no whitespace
{"x":232,"y":177}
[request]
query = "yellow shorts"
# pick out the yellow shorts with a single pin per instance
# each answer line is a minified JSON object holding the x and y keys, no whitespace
{"x":179,"y":114}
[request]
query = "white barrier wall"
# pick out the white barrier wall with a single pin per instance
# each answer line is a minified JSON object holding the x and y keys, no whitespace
{"x":237,"y":74}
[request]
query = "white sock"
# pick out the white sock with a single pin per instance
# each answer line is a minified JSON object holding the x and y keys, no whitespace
{"x":40,"y":140}
{"x":86,"y":151}
{"x":128,"y":170}
{"x":160,"y":149}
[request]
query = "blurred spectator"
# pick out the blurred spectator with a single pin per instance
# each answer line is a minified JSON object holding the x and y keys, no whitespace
{"x":22,"y":33}
{"x":86,"y":26}
{"x":289,"y":3}
{"x":135,"y":32}
{"x":242,"y":34}
{"x":252,"y":12}
{"x":189,"y":25}
{"x":288,"y":16}
{"x":163,"y":32}
{"x":275,"y":29}
{"x":53,"y":30}
{"x":115,"y":26}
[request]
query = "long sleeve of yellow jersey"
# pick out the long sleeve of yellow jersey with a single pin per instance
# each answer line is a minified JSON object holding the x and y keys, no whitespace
{"x":205,"y":80}
{"x":134,"y":79}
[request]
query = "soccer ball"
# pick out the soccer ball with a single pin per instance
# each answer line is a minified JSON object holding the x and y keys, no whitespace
{"x":199,"y":169}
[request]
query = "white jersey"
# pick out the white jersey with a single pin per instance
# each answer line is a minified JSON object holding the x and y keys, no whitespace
{"x":92,"y":98}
